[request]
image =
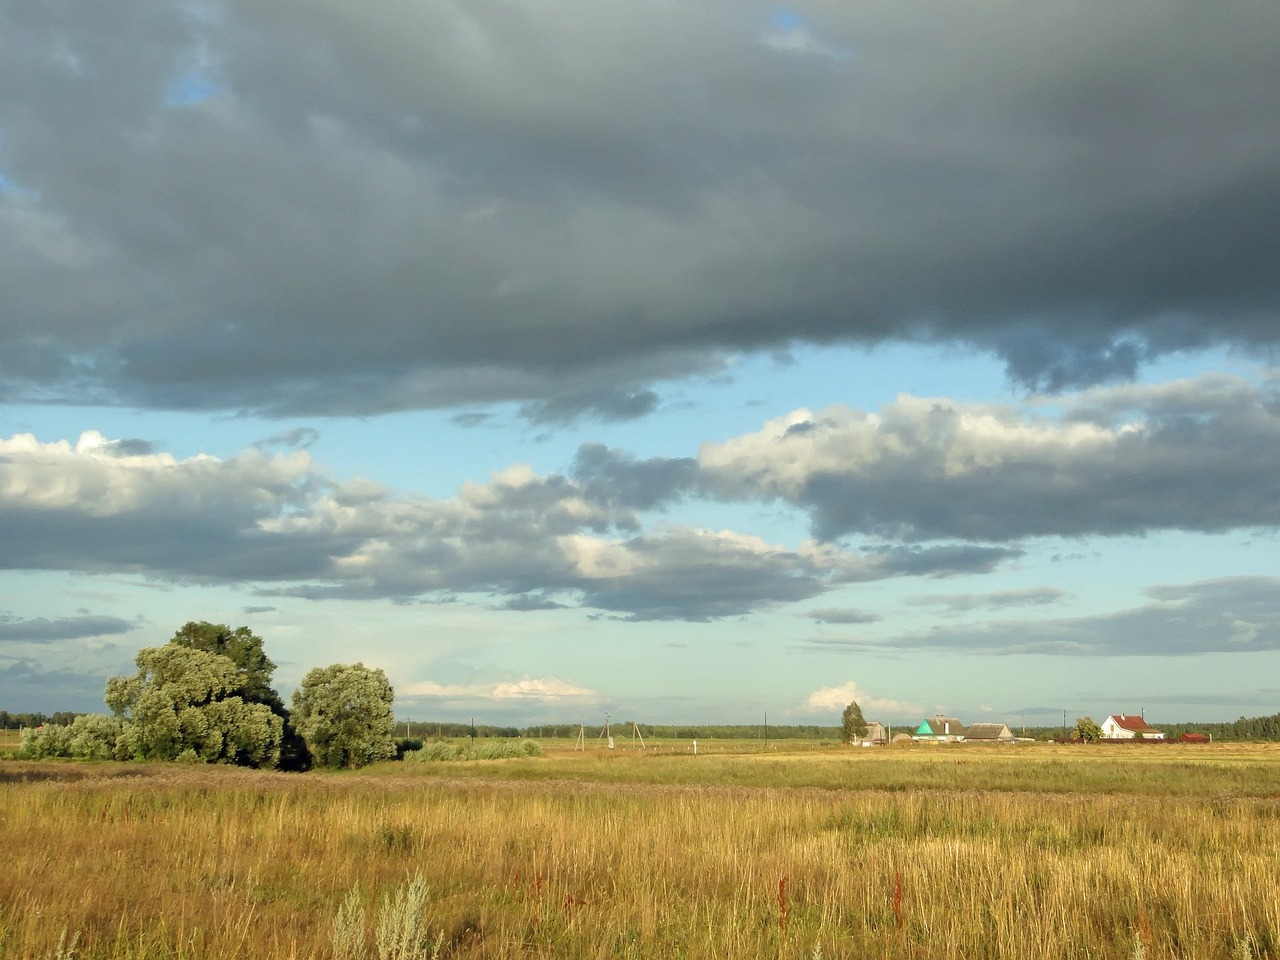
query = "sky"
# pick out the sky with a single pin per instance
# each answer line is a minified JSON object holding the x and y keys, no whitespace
{"x":679,"y":362}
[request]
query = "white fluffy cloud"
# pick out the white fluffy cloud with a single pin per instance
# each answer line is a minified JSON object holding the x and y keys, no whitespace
{"x":835,"y":699}
{"x":544,"y":689}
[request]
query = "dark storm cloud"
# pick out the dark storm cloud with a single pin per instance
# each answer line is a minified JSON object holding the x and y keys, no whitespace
{"x":43,"y":630}
{"x":1233,"y":615}
{"x":332,"y":208}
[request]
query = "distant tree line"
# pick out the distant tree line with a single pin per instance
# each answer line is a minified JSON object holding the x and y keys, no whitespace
{"x":1245,"y":728}
{"x":17,"y":721}
{"x":418,"y":729}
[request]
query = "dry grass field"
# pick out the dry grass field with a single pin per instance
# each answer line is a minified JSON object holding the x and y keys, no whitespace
{"x":950,"y":852}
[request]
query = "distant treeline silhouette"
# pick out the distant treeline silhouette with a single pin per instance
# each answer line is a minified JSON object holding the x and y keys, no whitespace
{"x":1245,"y":728}
{"x":620,"y":730}
{"x":16,"y":721}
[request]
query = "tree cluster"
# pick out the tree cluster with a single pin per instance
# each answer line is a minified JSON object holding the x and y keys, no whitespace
{"x":206,"y":697}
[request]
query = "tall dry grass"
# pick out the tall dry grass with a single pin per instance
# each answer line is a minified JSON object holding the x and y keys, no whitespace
{"x":175,"y":862}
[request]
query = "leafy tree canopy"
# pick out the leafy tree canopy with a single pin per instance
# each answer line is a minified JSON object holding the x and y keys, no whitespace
{"x":1087,"y":729}
{"x":343,"y":712}
{"x":185,"y":703}
{"x":244,"y":649}
{"x":852,"y":723}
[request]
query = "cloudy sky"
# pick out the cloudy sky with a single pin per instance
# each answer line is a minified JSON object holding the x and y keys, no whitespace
{"x":687,"y":362}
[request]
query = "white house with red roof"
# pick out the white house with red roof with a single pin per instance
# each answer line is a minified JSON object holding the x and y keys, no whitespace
{"x":1127,"y":726}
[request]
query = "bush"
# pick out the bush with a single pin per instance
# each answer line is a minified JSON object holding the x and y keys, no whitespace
{"x":441,"y":751}
{"x":92,"y":736}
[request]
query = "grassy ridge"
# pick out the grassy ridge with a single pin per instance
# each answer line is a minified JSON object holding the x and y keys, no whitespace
{"x":1066,"y":852}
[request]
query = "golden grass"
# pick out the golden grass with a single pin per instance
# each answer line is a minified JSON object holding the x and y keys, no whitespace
{"x":612,"y":855}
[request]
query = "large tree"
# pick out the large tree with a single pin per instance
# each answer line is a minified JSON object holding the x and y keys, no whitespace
{"x":852,"y":723}
{"x":185,"y":703}
{"x":344,"y":714}
{"x":245,"y":649}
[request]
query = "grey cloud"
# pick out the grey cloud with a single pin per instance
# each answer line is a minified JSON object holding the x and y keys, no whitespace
{"x":391,"y":206}
{"x":299,"y":438}
{"x":694,"y":577}
{"x":1035,"y":712}
{"x":614,"y":477}
{"x":131,"y":448}
{"x":1197,"y":455}
{"x":530,"y":602}
{"x":608,"y":405}
{"x":275,"y":523}
{"x":1233,"y":615}
{"x":834,"y":615}
{"x":29,"y":686}
{"x":959,"y":603}
{"x":945,"y":560}
{"x":43,"y":630}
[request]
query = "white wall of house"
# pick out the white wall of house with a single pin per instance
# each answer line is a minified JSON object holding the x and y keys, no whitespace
{"x":1113,"y":731}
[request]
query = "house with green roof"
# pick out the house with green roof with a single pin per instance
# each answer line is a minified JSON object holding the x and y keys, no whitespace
{"x":940,"y":729}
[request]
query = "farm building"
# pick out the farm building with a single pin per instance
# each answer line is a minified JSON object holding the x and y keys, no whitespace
{"x":989,"y":733}
{"x":940,"y":730}
{"x":1121,"y":726}
{"x":876,"y":734}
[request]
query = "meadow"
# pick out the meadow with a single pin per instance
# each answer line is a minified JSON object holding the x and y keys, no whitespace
{"x":10,"y":740}
{"x":796,"y":851}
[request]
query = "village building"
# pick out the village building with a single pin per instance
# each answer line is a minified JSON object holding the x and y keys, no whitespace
{"x":1121,"y":726}
{"x":989,"y":733}
{"x":940,"y":730}
{"x":876,"y":734}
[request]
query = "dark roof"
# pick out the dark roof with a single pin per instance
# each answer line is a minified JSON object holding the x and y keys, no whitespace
{"x":946,"y":727}
{"x":988,"y":731}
